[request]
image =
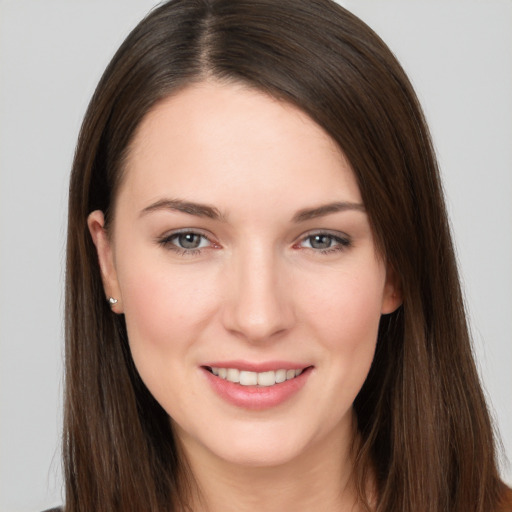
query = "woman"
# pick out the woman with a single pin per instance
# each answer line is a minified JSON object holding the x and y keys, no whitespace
{"x":255,"y":194}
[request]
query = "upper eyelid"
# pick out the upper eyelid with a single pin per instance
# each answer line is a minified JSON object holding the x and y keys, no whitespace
{"x":329,"y":232}
{"x":182,"y":231}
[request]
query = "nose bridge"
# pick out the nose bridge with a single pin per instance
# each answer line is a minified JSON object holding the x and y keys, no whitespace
{"x":259,"y":307}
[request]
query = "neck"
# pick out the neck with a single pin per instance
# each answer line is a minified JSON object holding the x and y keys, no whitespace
{"x":319,"y":479}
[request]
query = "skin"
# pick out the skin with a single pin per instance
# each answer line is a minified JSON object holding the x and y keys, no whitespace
{"x":261,"y":288}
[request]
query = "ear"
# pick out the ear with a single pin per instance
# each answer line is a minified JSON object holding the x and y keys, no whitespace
{"x":392,"y":297}
{"x":96,"y":224}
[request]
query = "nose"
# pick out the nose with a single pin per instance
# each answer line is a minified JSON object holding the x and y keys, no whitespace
{"x":260,"y":305}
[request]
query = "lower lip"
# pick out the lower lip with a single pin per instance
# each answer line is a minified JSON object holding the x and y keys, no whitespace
{"x":257,"y":397}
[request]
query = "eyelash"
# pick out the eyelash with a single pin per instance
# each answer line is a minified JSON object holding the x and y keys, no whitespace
{"x":168,"y":243}
{"x":341,"y":243}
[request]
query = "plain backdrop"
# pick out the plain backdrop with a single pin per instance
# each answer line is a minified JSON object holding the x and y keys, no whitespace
{"x":458,"y":54}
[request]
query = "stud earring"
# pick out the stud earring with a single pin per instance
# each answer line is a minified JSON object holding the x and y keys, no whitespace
{"x":112,"y":301}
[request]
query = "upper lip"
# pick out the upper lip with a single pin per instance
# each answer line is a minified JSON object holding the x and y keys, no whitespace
{"x":257,"y":367}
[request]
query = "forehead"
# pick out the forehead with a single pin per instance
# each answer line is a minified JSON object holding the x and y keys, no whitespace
{"x":213,"y":138}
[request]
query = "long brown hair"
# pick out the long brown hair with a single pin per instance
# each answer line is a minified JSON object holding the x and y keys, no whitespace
{"x":425,"y":429}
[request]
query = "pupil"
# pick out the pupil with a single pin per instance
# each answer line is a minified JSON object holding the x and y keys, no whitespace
{"x":320,"y":241}
{"x":189,"y":240}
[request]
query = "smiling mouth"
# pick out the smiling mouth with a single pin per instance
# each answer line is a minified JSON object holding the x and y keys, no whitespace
{"x":260,"y":379}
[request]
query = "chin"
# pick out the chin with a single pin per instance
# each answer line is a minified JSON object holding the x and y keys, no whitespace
{"x":259,"y":445}
{"x":257,"y":456}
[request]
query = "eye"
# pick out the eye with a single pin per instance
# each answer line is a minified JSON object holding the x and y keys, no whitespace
{"x":190,"y":241}
{"x":325,"y":242}
{"x":185,"y":242}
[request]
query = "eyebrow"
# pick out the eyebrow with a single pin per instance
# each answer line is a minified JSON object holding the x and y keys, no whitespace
{"x":204,"y":210}
{"x":326,"y":209}
{"x":197,"y":209}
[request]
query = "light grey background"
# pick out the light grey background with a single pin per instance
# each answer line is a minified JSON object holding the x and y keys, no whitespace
{"x":458,"y":54}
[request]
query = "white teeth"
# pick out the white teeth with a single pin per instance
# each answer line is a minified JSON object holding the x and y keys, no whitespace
{"x":246,"y":378}
{"x":267,"y":378}
{"x":280,"y":376}
{"x":233,"y":375}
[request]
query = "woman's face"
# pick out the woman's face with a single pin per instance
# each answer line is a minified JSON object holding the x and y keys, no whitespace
{"x":241,"y":250}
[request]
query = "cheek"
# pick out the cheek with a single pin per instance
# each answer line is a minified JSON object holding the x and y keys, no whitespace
{"x":165,"y":311}
{"x":344,"y":315}
{"x":347,"y":305}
